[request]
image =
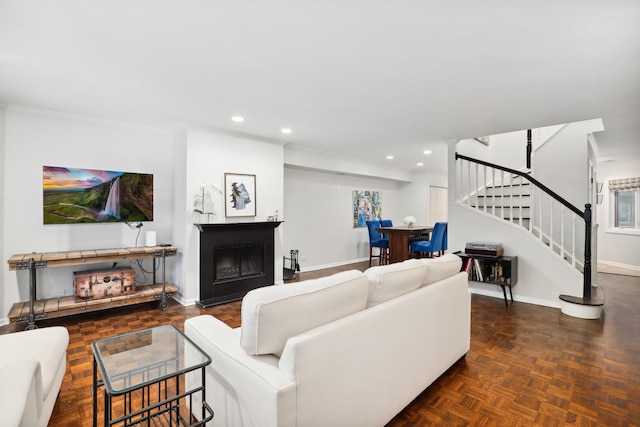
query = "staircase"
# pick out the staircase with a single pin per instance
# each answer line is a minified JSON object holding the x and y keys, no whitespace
{"x":522,"y":201}
{"x":510,"y":201}
{"x":513,"y":202}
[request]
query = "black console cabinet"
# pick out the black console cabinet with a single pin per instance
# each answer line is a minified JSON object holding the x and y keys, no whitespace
{"x":502,"y":271}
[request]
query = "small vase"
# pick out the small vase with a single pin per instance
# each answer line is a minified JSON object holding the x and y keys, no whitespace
{"x":410,"y":225}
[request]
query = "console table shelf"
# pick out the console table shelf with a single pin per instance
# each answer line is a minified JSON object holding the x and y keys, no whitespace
{"x":32,"y":310}
{"x":52,"y":308}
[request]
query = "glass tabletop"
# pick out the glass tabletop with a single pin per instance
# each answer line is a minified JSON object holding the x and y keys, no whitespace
{"x":140,"y":358}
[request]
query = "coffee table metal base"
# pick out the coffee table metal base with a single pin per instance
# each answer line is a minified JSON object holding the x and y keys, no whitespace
{"x":160,"y":403}
{"x":142,"y":376}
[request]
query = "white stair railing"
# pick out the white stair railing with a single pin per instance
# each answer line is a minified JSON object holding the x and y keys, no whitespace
{"x":521,"y":200}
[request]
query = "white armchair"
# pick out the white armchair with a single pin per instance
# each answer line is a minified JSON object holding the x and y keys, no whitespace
{"x":32,"y":366}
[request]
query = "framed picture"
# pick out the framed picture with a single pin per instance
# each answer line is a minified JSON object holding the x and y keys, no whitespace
{"x":367,"y":205}
{"x":82,"y":196}
{"x":240,"y":195}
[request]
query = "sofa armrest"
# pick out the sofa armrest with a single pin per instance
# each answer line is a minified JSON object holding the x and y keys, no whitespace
{"x":242,"y":389}
{"x":21,"y":393}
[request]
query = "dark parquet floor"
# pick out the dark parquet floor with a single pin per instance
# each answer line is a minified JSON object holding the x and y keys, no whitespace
{"x":527,"y":366}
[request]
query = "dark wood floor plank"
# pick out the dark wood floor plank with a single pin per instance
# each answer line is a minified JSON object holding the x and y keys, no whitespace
{"x":527,"y":366}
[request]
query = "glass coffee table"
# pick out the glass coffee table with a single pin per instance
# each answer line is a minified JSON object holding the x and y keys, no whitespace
{"x":143,"y":378}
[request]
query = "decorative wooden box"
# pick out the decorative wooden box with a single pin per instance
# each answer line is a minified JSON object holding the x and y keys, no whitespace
{"x":99,"y":284}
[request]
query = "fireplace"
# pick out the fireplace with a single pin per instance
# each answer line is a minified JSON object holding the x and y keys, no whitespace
{"x":234,"y":259}
{"x":237,"y":262}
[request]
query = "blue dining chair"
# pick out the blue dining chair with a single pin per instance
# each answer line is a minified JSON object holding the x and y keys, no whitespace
{"x":386,"y":223}
{"x":376,"y":240}
{"x":445,"y":239}
{"x":432,"y":246}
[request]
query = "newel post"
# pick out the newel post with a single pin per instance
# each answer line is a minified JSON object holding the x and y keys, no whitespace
{"x":529,"y":149}
{"x":586,"y":291}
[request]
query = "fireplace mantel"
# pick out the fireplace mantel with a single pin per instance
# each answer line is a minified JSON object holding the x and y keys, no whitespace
{"x":226,"y":225}
{"x":235,"y":258}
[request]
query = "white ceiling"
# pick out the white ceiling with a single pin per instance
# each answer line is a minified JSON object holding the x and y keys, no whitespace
{"x":357,"y":78}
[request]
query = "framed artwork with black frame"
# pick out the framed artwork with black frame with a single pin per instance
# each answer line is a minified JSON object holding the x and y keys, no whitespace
{"x":240,"y":195}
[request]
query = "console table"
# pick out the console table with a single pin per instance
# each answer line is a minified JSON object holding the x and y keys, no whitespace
{"x":481,"y":269}
{"x":32,"y":310}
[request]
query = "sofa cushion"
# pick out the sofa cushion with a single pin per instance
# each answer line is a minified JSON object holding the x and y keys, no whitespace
{"x":270,"y":315}
{"x":390,"y":281}
{"x":440,"y":267}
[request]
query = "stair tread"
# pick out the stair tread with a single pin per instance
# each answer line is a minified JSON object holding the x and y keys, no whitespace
{"x":515,"y":184}
{"x":503,"y":195}
{"x":489,"y":206}
{"x":499,"y":207}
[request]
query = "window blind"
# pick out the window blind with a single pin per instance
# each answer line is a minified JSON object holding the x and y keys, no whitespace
{"x":626,"y":184}
{"x":438,"y":204}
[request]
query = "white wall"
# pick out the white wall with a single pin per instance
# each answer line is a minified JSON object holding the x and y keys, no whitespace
{"x":209,"y":154}
{"x":562,"y":163}
{"x":319,"y":213}
{"x":318,"y":190}
{"x":319,"y":216}
{"x":36,"y":138}
{"x":510,"y":149}
{"x":541,"y":278}
{"x":182,"y":222}
{"x":2,"y":203}
{"x":616,"y":249}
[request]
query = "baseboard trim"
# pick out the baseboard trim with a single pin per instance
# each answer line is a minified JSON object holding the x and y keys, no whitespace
{"x":498,"y":294}
{"x":183,"y":301}
{"x":331,"y":265}
{"x":612,"y":267}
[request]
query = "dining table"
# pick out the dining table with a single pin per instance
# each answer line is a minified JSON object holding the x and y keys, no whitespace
{"x":399,"y":239}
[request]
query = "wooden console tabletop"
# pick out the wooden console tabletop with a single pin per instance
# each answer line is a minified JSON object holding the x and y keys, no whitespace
{"x":89,"y":256}
{"x":32,"y":310}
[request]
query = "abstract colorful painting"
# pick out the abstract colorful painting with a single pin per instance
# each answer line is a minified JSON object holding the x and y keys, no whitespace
{"x":367,"y":205}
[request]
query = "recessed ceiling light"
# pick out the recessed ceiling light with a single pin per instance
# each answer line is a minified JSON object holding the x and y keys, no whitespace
{"x":389,"y":157}
{"x":419,"y":164}
{"x":426,"y":152}
{"x":237,"y":119}
{"x":286,"y":130}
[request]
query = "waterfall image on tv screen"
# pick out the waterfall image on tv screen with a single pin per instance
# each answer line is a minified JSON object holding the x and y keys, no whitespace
{"x":72,"y":196}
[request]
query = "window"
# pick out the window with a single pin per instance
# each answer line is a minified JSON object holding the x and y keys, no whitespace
{"x":438,"y":201}
{"x":625,"y":203}
{"x":626,"y":209}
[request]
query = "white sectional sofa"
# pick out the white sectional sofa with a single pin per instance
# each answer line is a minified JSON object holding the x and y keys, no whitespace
{"x":32,"y":366}
{"x":351,"y":349}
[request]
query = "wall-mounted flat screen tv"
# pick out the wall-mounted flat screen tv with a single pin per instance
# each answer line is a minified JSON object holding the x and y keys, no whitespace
{"x":73,"y":196}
